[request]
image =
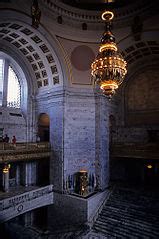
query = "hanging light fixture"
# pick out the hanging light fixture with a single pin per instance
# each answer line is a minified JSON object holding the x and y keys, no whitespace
{"x":109,"y":67}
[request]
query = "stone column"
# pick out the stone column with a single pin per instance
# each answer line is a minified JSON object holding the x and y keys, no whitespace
{"x":6,"y":178}
{"x":56,"y":140}
{"x":29,"y":174}
{"x":26,"y":174}
{"x":17,"y":175}
{"x":102,"y":142}
{"x":33,"y":173}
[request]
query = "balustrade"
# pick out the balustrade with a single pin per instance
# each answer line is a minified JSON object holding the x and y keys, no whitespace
{"x":25,"y":145}
{"x":19,"y":204}
{"x":23,"y":151}
{"x":135,"y":150}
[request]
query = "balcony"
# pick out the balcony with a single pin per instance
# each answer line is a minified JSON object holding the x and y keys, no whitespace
{"x":135,"y":150}
{"x":23,"y":151}
{"x":17,"y":202}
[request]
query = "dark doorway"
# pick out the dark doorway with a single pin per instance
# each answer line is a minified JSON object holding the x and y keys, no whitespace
{"x":153,"y":136}
{"x":43,"y":177}
{"x":151,"y":174}
{"x":46,"y":135}
{"x":44,"y":128}
{"x":40,"y":218}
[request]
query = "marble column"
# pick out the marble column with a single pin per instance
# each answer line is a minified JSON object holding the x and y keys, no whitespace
{"x":25,"y":174}
{"x":17,"y":175}
{"x":29,"y":173}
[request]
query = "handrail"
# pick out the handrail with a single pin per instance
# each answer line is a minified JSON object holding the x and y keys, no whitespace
{"x":13,"y":206}
{"x":24,"y":151}
{"x":147,"y":150}
{"x":25,"y":196}
{"x":24,"y":145}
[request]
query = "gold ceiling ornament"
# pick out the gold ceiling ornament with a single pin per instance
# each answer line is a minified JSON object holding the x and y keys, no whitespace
{"x":109,"y":67}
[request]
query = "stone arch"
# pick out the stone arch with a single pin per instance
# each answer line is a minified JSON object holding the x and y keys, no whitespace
{"x":134,"y":51}
{"x":139,"y":55}
{"x":141,"y":50}
{"x":38,"y":54}
{"x":31,"y":46}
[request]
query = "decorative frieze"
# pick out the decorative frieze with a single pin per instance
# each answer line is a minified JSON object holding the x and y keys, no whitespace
{"x":14,"y":206}
{"x":71,"y":14}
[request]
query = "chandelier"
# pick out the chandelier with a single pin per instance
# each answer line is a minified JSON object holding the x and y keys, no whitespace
{"x":109,"y":67}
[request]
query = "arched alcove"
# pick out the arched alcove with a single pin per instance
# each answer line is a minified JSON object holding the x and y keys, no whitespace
{"x":44,"y":127}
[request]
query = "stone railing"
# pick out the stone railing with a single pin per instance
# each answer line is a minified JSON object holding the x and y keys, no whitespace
{"x":135,"y":150}
{"x":14,"y":206}
{"x":23,"y":151}
{"x":25,"y":145}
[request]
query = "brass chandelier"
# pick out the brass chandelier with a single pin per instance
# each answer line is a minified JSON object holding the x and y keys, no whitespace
{"x":109,"y":67}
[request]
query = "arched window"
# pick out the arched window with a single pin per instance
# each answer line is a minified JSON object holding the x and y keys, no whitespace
{"x":10,"y":91}
{"x":13,"y":92}
{"x":1,"y":79}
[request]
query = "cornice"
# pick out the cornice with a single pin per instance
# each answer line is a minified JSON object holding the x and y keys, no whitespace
{"x":72,"y":16}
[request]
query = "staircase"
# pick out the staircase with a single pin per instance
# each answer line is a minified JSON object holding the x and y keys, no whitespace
{"x":128,"y":214}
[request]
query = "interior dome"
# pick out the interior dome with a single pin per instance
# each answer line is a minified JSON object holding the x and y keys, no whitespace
{"x":97,"y":4}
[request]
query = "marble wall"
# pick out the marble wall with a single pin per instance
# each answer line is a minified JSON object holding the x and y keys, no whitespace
{"x":13,"y":122}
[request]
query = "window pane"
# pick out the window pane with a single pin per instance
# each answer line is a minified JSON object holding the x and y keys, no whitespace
{"x":1,"y":79}
{"x":13,"y":94}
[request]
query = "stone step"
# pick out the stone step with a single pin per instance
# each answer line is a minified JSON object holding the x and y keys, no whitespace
{"x":149,"y":203}
{"x":130,"y":208}
{"x":128,"y":215}
{"x":131,"y":197}
{"x":124,"y":231}
{"x":128,"y":219}
{"x":116,"y":232}
{"x":147,"y":230}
